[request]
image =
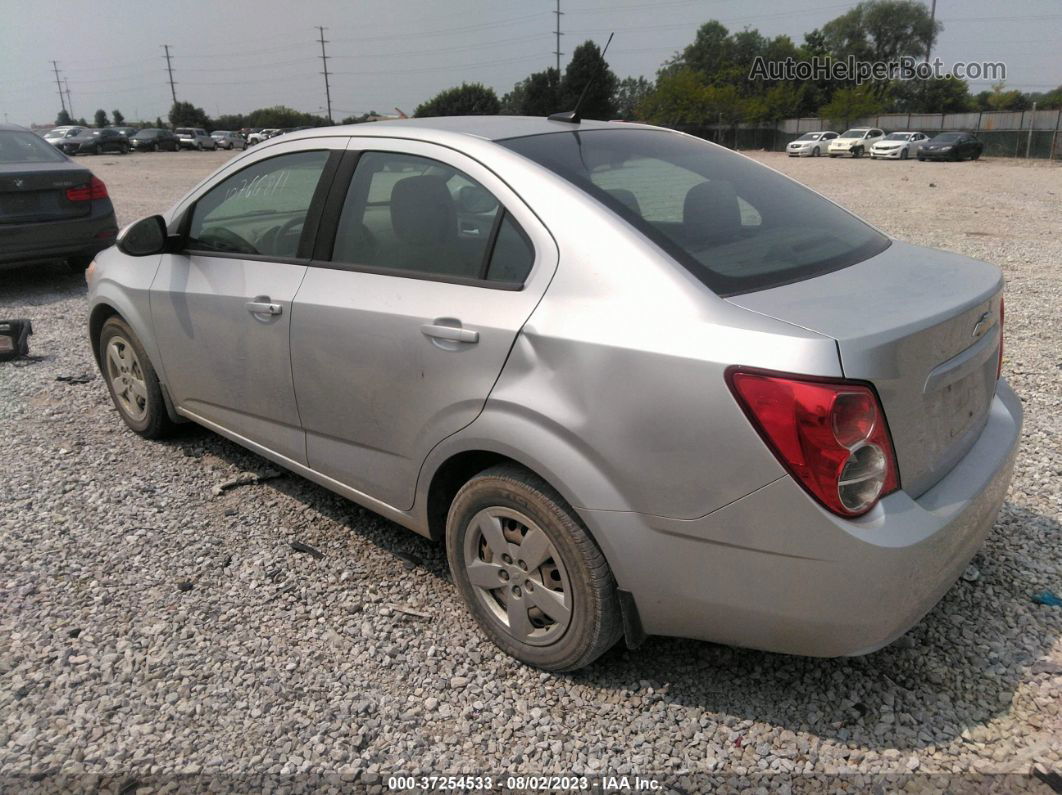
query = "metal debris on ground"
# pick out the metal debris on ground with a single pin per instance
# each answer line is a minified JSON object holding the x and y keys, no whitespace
{"x":1048,"y":598}
{"x":298,"y":546}
{"x":84,"y":378}
{"x":246,"y":479}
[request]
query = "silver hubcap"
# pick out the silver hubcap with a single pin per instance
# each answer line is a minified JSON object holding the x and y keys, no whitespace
{"x":127,"y":378}
{"x":518,"y":575}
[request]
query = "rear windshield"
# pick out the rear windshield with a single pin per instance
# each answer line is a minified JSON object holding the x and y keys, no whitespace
{"x":25,"y":147}
{"x":734,"y":224}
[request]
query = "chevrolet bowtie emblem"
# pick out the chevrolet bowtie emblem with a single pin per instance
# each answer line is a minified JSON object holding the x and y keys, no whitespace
{"x":981,"y":324}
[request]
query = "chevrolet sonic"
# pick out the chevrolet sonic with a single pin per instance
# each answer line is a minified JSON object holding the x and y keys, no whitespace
{"x":635,"y":382}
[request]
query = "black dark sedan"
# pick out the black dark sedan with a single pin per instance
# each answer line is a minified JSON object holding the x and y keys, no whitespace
{"x":951,"y":146}
{"x":50,"y":207}
{"x":153,"y":139}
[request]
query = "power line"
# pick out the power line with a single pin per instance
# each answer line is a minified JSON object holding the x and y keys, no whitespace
{"x":324,"y":63}
{"x":557,"y":51}
{"x":55,"y":68}
{"x":169,"y":68}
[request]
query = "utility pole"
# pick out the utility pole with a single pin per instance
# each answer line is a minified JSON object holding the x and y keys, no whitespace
{"x":69,"y":102}
{"x":558,"y":33}
{"x":324,"y":63}
{"x":932,"y":28}
{"x":169,"y":68}
{"x":62,"y":101}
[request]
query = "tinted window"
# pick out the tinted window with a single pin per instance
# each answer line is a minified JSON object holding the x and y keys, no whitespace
{"x":733,"y":223}
{"x":259,"y":210}
{"x":416,"y":215}
{"x":946,"y":138}
{"x":25,"y":147}
{"x":513,"y":254}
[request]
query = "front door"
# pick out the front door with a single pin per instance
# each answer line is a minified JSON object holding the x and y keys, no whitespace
{"x":398,"y":340}
{"x":222,"y":307}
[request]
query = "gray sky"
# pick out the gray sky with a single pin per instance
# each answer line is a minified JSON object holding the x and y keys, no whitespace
{"x":238,"y":55}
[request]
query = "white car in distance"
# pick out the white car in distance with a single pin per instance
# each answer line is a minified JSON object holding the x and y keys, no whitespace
{"x":855,"y":142}
{"x":810,"y":144}
{"x":898,"y":145}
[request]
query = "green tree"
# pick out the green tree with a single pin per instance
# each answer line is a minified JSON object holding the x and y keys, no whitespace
{"x":678,"y":98}
{"x":588,"y":70}
{"x":938,"y":95}
{"x":229,"y":121}
{"x":62,"y":119}
{"x":81,"y":122}
{"x":708,"y":54}
{"x":851,"y":103}
{"x":1048,"y":101}
{"x":158,"y":123}
{"x":101,"y":118}
{"x":538,"y":94}
{"x":370,"y":116}
{"x":185,"y":114}
{"x":117,"y":118}
{"x":1001,"y":99}
{"x":467,"y":99}
{"x":630,"y":93}
{"x":881,"y":30}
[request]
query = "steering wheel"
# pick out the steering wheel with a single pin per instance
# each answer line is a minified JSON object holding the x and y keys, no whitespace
{"x":271,"y":238}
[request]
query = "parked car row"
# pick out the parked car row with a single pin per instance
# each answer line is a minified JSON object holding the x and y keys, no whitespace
{"x":76,"y":140}
{"x":872,"y":141}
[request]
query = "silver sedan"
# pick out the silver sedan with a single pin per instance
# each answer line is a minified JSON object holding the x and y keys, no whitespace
{"x":635,"y":382}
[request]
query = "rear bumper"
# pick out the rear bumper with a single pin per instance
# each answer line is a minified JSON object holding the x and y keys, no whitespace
{"x":24,"y":244}
{"x":775,"y":571}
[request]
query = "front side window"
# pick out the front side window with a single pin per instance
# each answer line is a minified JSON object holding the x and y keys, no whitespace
{"x":736,"y":225}
{"x":259,"y":210}
{"x":423,"y":217}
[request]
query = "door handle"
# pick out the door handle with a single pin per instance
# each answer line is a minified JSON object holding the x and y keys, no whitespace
{"x":263,"y":308}
{"x":452,"y":333}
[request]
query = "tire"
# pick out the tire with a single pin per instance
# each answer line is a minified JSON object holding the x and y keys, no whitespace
{"x":921,"y":159}
{"x":154,"y":147}
{"x":833,"y":155}
{"x":199,"y":146}
{"x":524,"y":515}
{"x":903,"y":154}
{"x":976,"y":155}
{"x":139,"y":403}
{"x":815,"y":152}
{"x":857,"y":152}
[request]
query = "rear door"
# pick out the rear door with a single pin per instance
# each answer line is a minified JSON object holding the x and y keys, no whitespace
{"x":401,"y":329}
{"x":222,"y":307}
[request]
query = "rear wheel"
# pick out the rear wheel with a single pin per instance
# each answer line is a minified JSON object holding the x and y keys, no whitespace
{"x":132,"y":381}
{"x":529,"y":572}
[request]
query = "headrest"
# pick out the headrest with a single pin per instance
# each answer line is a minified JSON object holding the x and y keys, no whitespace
{"x":422,"y":210}
{"x":711,"y":212}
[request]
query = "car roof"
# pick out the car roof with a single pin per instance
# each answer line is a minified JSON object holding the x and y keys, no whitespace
{"x":491,"y":128}
{"x":14,"y":128}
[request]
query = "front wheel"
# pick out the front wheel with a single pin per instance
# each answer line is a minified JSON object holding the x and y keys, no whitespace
{"x":815,"y":152}
{"x":857,"y":152}
{"x":530,"y":573}
{"x":903,"y":154}
{"x":132,"y":381}
{"x":976,"y":155}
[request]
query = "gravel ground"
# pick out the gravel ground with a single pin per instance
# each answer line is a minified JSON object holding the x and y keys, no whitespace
{"x":151,"y":629}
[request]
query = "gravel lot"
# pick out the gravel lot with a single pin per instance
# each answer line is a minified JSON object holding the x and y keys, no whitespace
{"x":149,"y":628}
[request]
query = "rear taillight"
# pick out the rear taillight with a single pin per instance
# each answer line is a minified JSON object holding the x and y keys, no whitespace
{"x":999,"y":364}
{"x":95,"y":189}
{"x":831,"y":435}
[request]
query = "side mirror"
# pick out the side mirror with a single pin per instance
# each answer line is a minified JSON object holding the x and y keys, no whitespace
{"x":144,"y":238}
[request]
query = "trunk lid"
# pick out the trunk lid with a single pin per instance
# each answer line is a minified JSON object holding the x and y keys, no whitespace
{"x":922,"y":326}
{"x":31,"y":193}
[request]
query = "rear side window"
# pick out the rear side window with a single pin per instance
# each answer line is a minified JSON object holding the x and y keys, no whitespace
{"x":734,"y":224}
{"x":259,"y":210}
{"x":25,"y":147}
{"x":418,"y":216}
